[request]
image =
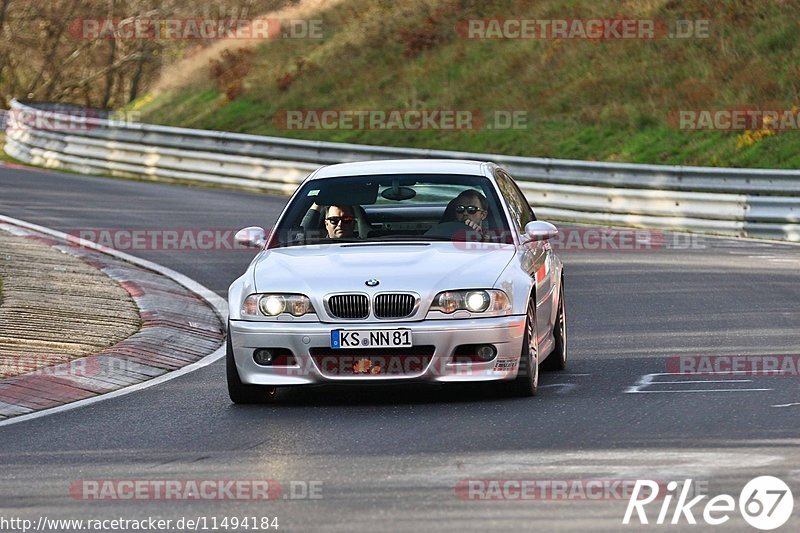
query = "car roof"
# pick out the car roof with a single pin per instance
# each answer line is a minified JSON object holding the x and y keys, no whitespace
{"x":403,"y":166}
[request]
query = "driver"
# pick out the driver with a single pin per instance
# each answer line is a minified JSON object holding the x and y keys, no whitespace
{"x":470,"y":209}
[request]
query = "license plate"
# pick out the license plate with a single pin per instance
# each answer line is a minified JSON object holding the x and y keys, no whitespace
{"x":371,"y":338}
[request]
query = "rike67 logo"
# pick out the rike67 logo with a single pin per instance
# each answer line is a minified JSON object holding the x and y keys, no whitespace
{"x":765,"y":503}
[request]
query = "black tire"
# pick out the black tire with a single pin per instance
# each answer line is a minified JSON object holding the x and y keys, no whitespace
{"x":243,"y":393}
{"x":557,"y":360}
{"x":527,"y":382}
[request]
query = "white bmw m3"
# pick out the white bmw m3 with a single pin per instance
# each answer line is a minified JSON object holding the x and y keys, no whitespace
{"x":409,"y":270}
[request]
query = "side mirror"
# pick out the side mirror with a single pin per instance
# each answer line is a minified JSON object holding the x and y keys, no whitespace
{"x":539,"y":230}
{"x":252,"y":236}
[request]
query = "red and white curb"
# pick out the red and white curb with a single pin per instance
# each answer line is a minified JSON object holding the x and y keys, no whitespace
{"x":182,"y":330}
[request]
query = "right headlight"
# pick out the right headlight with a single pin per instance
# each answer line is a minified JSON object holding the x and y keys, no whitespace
{"x":475,"y":301}
{"x":276,"y":304}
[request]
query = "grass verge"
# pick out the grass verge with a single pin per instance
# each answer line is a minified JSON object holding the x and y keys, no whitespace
{"x":601,"y":100}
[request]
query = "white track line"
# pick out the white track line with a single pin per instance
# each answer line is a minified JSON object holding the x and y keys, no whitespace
{"x":219,"y":305}
{"x":678,"y":382}
{"x":693,"y":390}
{"x":563,"y":388}
{"x":649,"y":380}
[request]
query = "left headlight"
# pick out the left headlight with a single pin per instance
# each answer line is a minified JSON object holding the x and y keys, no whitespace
{"x":276,"y":304}
{"x":474,"y":301}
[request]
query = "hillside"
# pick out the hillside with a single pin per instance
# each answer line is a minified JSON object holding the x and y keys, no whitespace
{"x":595,"y":99}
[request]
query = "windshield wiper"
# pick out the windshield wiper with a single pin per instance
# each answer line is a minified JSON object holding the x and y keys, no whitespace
{"x":320,"y":240}
{"x":371,"y":240}
{"x":390,"y":238}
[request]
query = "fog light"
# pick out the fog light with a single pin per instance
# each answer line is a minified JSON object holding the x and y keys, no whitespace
{"x":474,"y":353}
{"x":486,"y":352}
{"x":263,"y":357}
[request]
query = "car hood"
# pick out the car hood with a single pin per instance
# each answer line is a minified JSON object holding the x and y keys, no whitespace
{"x":425,"y":268}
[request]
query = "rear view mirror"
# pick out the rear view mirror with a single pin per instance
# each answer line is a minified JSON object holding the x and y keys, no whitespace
{"x":398,"y":193}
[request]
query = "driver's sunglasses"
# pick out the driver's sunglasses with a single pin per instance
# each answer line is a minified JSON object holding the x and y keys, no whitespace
{"x":344,"y":220}
{"x":470,"y":209}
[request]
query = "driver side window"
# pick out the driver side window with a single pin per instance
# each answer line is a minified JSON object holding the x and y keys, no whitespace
{"x":521,"y":212}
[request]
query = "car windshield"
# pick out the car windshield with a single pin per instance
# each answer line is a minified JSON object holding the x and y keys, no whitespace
{"x":400,"y":207}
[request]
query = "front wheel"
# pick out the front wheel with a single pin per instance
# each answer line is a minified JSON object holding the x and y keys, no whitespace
{"x":243,"y":393}
{"x":557,"y":360}
{"x":527,"y":382}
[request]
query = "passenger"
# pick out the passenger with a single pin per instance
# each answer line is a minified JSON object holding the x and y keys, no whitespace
{"x":340,"y":222}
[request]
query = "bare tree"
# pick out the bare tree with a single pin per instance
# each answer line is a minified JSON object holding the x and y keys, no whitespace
{"x":46,"y":52}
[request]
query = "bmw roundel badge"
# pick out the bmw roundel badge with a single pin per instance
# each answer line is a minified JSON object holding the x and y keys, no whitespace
{"x":372,"y":282}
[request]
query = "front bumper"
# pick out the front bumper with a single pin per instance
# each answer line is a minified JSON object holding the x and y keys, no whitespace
{"x":505,"y":333}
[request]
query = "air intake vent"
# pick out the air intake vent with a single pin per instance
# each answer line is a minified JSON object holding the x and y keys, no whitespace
{"x":349,"y":306}
{"x":394,"y":305}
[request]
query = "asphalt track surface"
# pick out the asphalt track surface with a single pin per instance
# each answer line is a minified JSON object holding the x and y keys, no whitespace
{"x":390,"y":458}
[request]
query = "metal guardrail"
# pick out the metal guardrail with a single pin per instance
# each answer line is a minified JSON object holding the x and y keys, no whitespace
{"x":744,"y":202}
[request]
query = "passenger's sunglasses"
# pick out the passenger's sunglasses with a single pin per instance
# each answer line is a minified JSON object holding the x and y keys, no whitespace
{"x":344,"y":220}
{"x":470,"y":209}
